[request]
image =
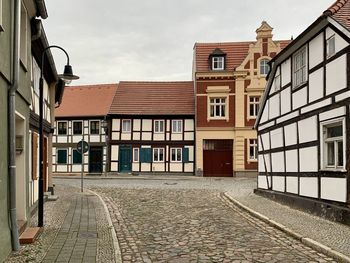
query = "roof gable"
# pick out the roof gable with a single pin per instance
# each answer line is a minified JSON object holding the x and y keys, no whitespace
{"x":340,"y":11}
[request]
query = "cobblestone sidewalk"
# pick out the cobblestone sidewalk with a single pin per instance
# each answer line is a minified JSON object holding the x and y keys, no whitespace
{"x":76,"y":230}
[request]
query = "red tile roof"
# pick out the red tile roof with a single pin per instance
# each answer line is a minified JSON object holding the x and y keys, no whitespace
{"x":87,"y":100}
{"x":340,"y":11}
{"x":154,"y":98}
{"x":236,"y":52}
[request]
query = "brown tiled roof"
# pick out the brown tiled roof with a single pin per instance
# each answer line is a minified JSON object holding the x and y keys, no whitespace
{"x":340,"y":11}
{"x":236,"y":52}
{"x":87,"y":100}
{"x":154,"y":98}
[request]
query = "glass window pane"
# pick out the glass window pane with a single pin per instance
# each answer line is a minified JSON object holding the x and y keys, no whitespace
{"x":340,"y":154}
{"x":330,"y":154}
{"x":335,"y":131}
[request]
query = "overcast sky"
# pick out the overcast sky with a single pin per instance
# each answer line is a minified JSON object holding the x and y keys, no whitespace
{"x":113,"y":40}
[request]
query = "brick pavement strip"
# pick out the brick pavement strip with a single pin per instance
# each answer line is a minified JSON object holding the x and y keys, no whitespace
{"x":162,"y":225}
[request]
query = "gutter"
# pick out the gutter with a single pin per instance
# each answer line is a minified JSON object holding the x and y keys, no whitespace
{"x":12,"y":123}
{"x":41,"y":7}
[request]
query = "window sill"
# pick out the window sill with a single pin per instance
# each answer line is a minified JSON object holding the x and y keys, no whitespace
{"x":333,"y":170}
{"x":252,"y":160}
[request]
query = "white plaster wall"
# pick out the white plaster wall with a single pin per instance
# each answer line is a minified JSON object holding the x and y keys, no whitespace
{"x":276,"y":138}
{"x":176,"y":136}
{"x":116,"y":125}
{"x":77,"y":138}
{"x":136,"y":125}
{"x":342,"y":96}
{"x":265,"y":114}
{"x":114,"y":152}
{"x":145,"y":167}
{"x":316,"y":105}
{"x":189,"y":136}
{"x":332,"y":113}
{"x":292,"y":161}
{"x":147,"y":125}
{"x":262,"y":181}
{"x":61,"y":168}
{"x":76,"y":168}
{"x":189,"y":125}
{"x":278,"y":183}
{"x":336,"y":75}
{"x":115,"y":135}
{"x":86,"y":130}
{"x":274,"y":106}
{"x":290,"y":134}
{"x":277,"y":162}
{"x":146,"y":136}
{"x":62,"y":139}
{"x":292,"y":185}
{"x":308,"y":186}
{"x":114,"y":167}
{"x":159,"y":137}
{"x":333,"y":189}
{"x":189,"y":167}
{"x":190,"y":153}
{"x":264,"y":159}
{"x":308,"y":159}
{"x":135,"y":167}
{"x":265,"y":141}
{"x":94,"y":138}
{"x":285,"y":72}
{"x":308,"y":130}
{"x":136,"y":136}
{"x":168,"y":125}
{"x":299,"y":98}
{"x":316,"y":85}
{"x":316,"y":51}
{"x":285,"y":101}
{"x":175,"y":167}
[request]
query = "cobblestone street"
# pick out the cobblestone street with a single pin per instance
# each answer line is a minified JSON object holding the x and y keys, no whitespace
{"x":194,"y":225}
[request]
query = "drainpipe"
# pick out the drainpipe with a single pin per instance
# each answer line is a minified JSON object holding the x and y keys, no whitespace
{"x":12,"y":123}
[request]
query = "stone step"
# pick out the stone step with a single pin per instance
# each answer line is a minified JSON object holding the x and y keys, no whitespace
{"x":29,"y":235}
{"x":52,"y":198}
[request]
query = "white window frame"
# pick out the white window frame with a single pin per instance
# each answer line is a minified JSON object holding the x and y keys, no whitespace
{"x":67,"y":157}
{"x":123,"y":127}
{"x":277,"y":80}
{"x":176,"y":126}
{"x":99,"y":127}
{"x":159,"y":126}
{"x":253,"y":143}
{"x":300,"y":55}
{"x":330,"y":52}
{"x":222,"y":113}
{"x":158,"y":160}
{"x":1,"y":15}
{"x":264,"y":67}
{"x":61,"y":134}
{"x":254,"y":104}
{"x":176,"y":150}
{"x":323,"y":133}
{"x":218,"y":63}
{"x":137,"y":151}
{"x":82,"y":128}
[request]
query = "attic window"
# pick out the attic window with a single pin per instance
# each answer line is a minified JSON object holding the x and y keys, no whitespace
{"x":218,"y":63}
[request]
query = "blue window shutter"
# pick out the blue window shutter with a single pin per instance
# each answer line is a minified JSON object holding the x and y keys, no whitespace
{"x":145,"y":155}
{"x":185,"y":155}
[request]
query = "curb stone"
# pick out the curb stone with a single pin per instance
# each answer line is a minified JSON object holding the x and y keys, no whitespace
{"x":305,"y":240}
{"x":117,"y":252}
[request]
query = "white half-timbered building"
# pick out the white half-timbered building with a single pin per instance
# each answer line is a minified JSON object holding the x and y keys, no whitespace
{"x":80,"y":117}
{"x":303,"y":124}
{"x":152,"y":127}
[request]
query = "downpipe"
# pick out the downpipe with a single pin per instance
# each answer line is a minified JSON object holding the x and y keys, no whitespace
{"x":12,"y":124}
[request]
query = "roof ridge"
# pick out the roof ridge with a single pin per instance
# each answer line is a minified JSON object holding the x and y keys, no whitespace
{"x":335,"y":7}
{"x":225,"y":42}
{"x":91,"y":85}
{"x":155,"y":81}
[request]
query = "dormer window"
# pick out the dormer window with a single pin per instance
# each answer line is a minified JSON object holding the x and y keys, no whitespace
{"x":217,"y":59}
{"x":218,"y":63}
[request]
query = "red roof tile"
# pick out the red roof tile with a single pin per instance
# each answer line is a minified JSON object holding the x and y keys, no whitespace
{"x":154,"y":98}
{"x":236,"y":52}
{"x":87,"y":100}
{"x":340,"y":11}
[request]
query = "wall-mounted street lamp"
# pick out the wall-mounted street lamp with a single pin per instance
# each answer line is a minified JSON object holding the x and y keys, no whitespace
{"x":104,"y":125}
{"x":67,"y":77}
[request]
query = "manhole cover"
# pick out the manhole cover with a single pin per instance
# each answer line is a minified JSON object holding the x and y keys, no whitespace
{"x":170,"y":183}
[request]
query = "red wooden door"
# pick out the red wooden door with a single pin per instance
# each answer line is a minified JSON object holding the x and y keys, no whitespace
{"x":218,"y":158}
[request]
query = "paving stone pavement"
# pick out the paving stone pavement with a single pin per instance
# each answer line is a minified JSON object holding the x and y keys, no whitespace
{"x":195,"y":225}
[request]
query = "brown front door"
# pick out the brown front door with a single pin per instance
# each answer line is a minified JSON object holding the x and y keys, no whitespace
{"x":217,"y":158}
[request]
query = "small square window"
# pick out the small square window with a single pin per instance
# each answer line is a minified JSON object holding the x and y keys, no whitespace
{"x":62,"y":156}
{"x":126,"y":126}
{"x":62,"y":128}
{"x":277,"y":80}
{"x":176,"y":154}
{"x":253,"y":150}
{"x":253,"y":106}
{"x":158,"y":126}
{"x":218,"y":63}
{"x":77,"y":158}
{"x":264,"y":67}
{"x":217,"y":107}
{"x":331,"y":46}
{"x":77,"y":127}
{"x":158,"y":155}
{"x":94,"y":127}
{"x":299,"y":67}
